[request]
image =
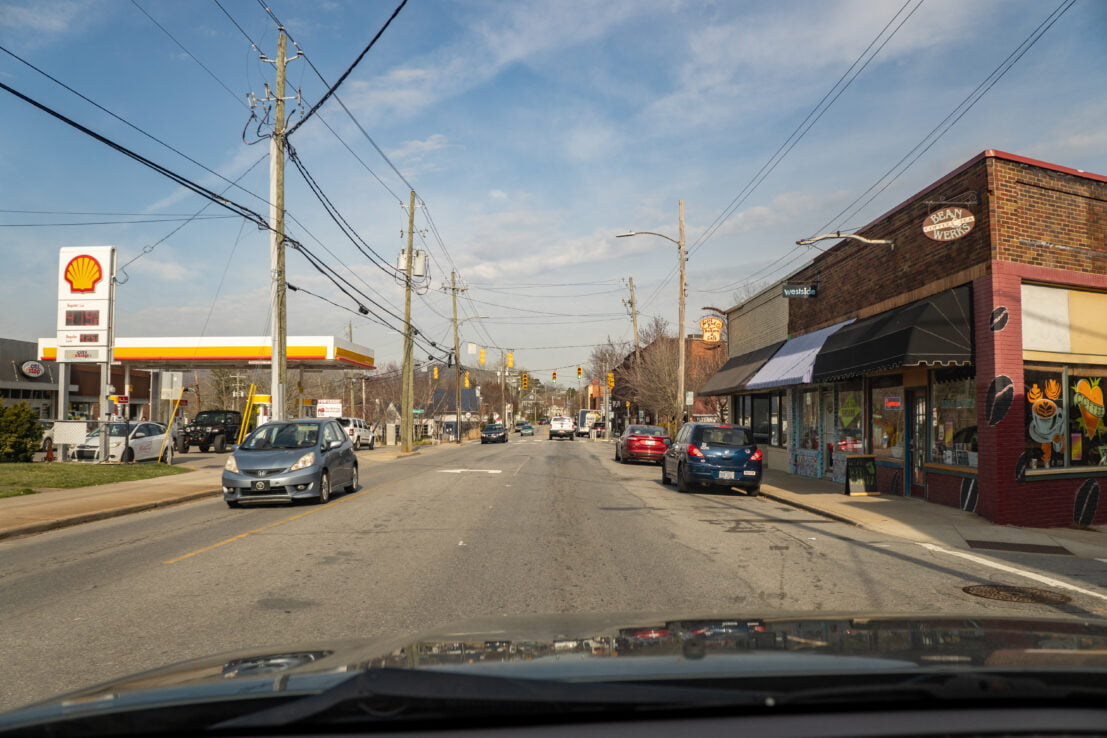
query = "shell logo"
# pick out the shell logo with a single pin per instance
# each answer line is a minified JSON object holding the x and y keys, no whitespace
{"x":82,"y":273}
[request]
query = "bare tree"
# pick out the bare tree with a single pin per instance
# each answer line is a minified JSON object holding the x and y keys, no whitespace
{"x":652,"y":375}
{"x":606,"y":356}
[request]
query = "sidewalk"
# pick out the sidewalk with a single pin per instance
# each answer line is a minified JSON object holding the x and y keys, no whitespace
{"x":925,"y":522}
{"x":60,"y":508}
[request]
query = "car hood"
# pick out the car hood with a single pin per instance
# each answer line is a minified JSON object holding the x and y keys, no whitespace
{"x":277,"y":458}
{"x":595,"y":648}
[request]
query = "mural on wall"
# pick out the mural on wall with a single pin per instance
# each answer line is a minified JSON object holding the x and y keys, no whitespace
{"x":1086,"y":503}
{"x":1047,"y":421}
{"x":969,"y":494}
{"x":1087,"y":396}
{"x":1001,"y":393}
{"x":999,"y":318}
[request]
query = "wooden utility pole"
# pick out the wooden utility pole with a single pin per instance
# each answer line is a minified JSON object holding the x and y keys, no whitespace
{"x":633,"y":305}
{"x":407,"y":401}
{"x":279,"y":328}
{"x":454,"y":289}
{"x":680,"y":320}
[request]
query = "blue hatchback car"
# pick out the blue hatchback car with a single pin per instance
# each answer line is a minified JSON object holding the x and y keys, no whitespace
{"x":712,"y":454}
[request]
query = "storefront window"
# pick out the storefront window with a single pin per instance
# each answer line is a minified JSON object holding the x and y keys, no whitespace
{"x":953,"y":416}
{"x":1064,"y":416}
{"x":848,"y":419}
{"x":809,"y":421}
{"x":774,"y":419}
{"x":887,"y":417}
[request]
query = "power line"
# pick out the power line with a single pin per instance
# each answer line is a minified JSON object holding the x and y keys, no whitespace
{"x":236,"y":25}
{"x":211,"y":74}
{"x":186,"y":219}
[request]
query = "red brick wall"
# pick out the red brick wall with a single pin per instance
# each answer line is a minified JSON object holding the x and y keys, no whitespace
{"x":853,"y":276}
{"x":944,"y":489}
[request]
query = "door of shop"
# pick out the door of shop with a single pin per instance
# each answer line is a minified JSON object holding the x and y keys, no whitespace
{"x":828,"y":432}
{"x":915,"y":451}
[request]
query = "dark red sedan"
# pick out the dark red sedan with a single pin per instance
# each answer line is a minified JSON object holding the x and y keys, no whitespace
{"x":641,"y":443}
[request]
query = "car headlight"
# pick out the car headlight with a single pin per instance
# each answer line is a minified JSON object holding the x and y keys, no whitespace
{"x":231,"y":465}
{"x":304,"y":462}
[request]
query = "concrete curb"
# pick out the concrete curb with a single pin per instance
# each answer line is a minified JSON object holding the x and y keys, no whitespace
{"x":103,"y":515}
{"x":810,"y":509}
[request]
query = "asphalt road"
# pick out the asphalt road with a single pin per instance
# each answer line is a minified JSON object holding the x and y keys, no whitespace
{"x":533,"y":526}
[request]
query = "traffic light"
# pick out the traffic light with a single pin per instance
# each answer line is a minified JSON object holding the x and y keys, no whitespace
{"x":525,"y":381}
{"x":466,"y":379}
{"x":611,"y":380}
{"x":482,"y":356}
{"x":554,"y":378}
{"x":510,"y":360}
{"x":580,"y":372}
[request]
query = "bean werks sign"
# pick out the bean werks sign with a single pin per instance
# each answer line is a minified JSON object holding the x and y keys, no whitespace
{"x":948,"y":224}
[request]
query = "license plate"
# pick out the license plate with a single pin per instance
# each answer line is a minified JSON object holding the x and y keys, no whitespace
{"x":260,"y":485}
{"x":726,"y":475}
{"x":750,"y":473}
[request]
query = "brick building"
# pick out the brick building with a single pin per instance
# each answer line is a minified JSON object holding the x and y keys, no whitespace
{"x":966,"y":359}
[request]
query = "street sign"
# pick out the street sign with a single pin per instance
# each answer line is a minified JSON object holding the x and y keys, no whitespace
{"x":417,"y":411}
{"x":120,"y":399}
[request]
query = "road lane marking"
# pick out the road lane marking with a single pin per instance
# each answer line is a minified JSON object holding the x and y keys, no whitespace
{"x":240,"y":536}
{"x":459,"y":471}
{"x":1050,"y":581}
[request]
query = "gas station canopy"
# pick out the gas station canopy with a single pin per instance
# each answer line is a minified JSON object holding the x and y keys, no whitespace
{"x":182,"y":353}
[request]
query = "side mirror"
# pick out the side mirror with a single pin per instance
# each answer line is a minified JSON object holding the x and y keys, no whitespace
{"x":335,"y":444}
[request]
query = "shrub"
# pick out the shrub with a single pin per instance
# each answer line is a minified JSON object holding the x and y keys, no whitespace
{"x":20,"y":433}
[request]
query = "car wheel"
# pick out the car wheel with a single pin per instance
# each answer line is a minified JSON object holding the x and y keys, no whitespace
{"x":357,"y":443}
{"x":324,"y":488}
{"x":682,"y":479}
{"x":203,"y":449}
{"x":232,"y":503}
{"x":220,"y":444}
{"x":372,"y":442}
{"x":352,"y":486}
{"x":664,"y":474}
{"x":128,"y":456}
{"x":753,"y":491}
{"x":182,"y":446}
{"x":167,"y":454}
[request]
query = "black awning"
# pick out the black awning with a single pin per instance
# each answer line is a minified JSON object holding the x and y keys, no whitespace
{"x":934,"y":331}
{"x":738,"y":370}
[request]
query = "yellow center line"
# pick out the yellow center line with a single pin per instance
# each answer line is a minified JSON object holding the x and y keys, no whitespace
{"x":264,"y":528}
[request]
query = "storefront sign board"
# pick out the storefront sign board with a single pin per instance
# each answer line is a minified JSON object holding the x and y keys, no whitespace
{"x":800,"y":290}
{"x":948,"y":224}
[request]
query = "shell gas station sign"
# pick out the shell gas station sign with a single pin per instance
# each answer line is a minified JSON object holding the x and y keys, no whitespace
{"x":86,"y":303}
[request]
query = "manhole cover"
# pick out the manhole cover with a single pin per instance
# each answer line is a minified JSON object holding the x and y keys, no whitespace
{"x":1016,"y":594}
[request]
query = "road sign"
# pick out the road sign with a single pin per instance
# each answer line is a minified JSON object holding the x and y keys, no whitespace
{"x":417,"y":411}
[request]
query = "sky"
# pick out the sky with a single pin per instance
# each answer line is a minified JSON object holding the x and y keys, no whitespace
{"x":533,"y":133}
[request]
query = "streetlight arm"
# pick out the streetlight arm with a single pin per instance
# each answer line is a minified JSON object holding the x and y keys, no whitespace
{"x":854,"y":236}
{"x":647,"y":233}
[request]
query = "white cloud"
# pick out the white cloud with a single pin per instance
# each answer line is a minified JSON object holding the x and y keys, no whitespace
{"x":414,"y":151}
{"x":497,"y":195}
{"x":43,"y":17}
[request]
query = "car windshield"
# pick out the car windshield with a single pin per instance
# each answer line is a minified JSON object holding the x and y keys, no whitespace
{"x":343,"y":237}
{"x":282,"y":435}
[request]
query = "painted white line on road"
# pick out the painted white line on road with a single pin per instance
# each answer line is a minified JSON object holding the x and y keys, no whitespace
{"x":521,"y":467}
{"x":459,"y":471}
{"x":1050,"y":581}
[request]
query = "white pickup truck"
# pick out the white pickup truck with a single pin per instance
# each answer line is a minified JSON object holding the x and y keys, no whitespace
{"x":561,"y":426}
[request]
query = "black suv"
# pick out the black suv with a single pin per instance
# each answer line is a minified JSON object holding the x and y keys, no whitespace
{"x":211,"y":429}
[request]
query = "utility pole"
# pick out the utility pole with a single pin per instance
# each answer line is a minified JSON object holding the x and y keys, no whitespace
{"x":633,"y":305}
{"x":680,"y":320}
{"x":407,"y":400}
{"x":279,"y":326}
{"x":454,"y":289}
{"x":349,"y":383}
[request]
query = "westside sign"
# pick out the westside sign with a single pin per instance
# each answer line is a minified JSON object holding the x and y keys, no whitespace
{"x":948,"y":224}
{"x":801,"y":290}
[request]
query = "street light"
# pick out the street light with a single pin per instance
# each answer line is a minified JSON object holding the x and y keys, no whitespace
{"x":680,"y":319}
{"x":854,"y":236}
{"x":457,"y":369}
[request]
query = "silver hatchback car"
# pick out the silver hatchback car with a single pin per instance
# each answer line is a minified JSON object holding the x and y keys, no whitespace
{"x":291,"y":460}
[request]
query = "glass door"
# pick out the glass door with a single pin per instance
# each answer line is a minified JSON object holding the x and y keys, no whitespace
{"x":916,"y":452}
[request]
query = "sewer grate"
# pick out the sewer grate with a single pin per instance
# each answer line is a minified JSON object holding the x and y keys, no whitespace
{"x":1007,"y":593}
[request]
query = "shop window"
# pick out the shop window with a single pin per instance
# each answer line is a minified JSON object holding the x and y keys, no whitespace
{"x":809,"y":420}
{"x":848,"y":420}
{"x":953,"y":421}
{"x":761,"y":423}
{"x":1065,"y":417}
{"x":887,"y":417}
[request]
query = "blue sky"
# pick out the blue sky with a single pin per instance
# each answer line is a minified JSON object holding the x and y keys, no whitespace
{"x":534,"y":132}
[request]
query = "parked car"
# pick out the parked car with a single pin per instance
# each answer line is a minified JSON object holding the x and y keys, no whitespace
{"x":211,"y":429}
{"x":715,"y":455}
{"x":47,"y":442}
{"x":493,"y":433}
{"x":138,"y":441}
{"x":562,"y":426}
{"x":290,"y":460}
{"x":526,"y":430}
{"x":360,"y":432}
{"x":642,"y":443}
